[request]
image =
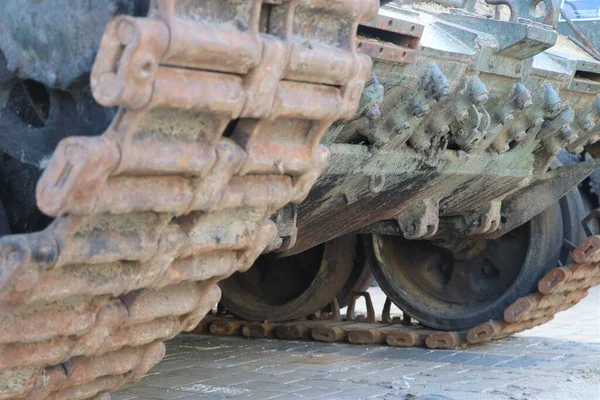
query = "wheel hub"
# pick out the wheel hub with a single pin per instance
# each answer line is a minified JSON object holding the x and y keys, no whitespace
{"x":458,"y":283}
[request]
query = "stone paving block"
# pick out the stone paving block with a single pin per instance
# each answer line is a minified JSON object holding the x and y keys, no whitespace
{"x":176,"y":381}
{"x":155,"y":379}
{"x":445,"y":370}
{"x":290,"y":396}
{"x":363,"y":392}
{"x":349,"y":364}
{"x":157,"y":392}
{"x":272,"y":386}
{"x":174,"y":365}
{"x":203,"y":389}
{"x":204,"y":373}
{"x":257,"y":395}
{"x":521,"y":362}
{"x":428,"y":392}
{"x":396,"y":353}
{"x":140,"y":398}
{"x":347,"y":375}
{"x":482,"y":385}
{"x":328,"y":384}
{"x":460,"y":395}
{"x":394,"y":373}
{"x":317,"y":393}
{"x":461,"y":357}
{"x":242,"y":377}
{"x":433,"y":379}
{"x":281,"y":345}
{"x":277,"y":360}
{"x":585,"y":389}
{"x":320,"y":364}
{"x":433,"y":355}
{"x":274,"y":370}
{"x":226,"y":380}
{"x":235,"y":361}
{"x":496,"y":373}
{"x":209,"y":359}
{"x":283,"y":378}
{"x":551,"y":357}
{"x":200,"y":397}
{"x":363,"y":351}
{"x":489,"y":360}
{"x":124,"y":396}
{"x":298,"y":374}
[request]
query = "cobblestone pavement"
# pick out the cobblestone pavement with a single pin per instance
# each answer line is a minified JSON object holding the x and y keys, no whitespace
{"x":558,"y":361}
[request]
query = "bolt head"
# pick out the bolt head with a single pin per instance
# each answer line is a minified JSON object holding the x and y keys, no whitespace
{"x":481,"y":99}
{"x":525,"y":104}
{"x":125,"y":32}
{"x":424,"y":145}
{"x":399,"y":129}
{"x":461,"y":115}
{"x":538,"y":122}
{"x":507,"y":118}
{"x":350,"y":198}
{"x":373,"y":112}
{"x":503,"y":148}
{"x":108,"y":85}
{"x":565,"y":132}
{"x":555,"y":108}
{"x":440,"y":94}
{"x":442,"y":130}
{"x":422,"y":110}
{"x":588,"y":124}
{"x":520,"y":135}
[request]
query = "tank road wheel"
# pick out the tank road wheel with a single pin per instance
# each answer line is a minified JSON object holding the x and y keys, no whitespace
{"x":457,"y":291}
{"x":573,"y":210}
{"x":360,"y":278}
{"x":286,"y":288}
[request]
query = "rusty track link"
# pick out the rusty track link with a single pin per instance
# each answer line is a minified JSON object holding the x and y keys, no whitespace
{"x":559,"y":290}
{"x":222,"y":107}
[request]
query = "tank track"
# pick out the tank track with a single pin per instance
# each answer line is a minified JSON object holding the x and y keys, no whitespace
{"x":559,"y":290}
{"x":222,"y":105}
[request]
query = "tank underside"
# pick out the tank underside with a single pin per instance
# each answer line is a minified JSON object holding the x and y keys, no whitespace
{"x":278,"y":156}
{"x":457,"y":157}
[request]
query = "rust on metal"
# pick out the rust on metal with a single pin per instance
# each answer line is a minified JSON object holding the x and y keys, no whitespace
{"x":293,"y":331}
{"x":226,"y":328}
{"x":331,"y":333}
{"x":259,"y":330}
{"x":167,"y":202}
{"x":386,"y":51}
{"x":405,"y":339}
{"x":350,"y":315}
{"x":366,"y":336}
{"x":560,"y":289}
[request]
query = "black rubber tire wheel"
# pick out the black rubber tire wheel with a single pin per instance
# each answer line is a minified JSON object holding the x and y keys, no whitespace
{"x":288,"y":288}
{"x":395,"y":262}
{"x":573,"y":210}
{"x":360,"y":278}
